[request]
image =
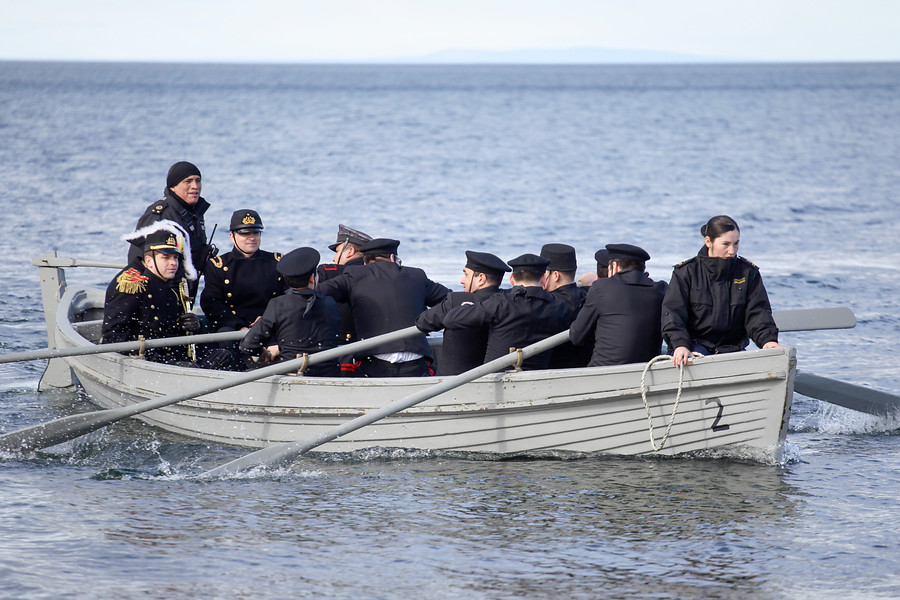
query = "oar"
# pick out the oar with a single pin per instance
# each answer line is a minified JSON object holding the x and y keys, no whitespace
{"x":280,"y":454}
{"x":787,"y":320}
{"x":68,"y":428}
{"x":182,"y":340}
{"x":806,"y":319}
{"x":854,"y":397}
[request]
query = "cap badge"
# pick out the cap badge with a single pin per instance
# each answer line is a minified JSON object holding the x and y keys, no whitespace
{"x":249,"y":220}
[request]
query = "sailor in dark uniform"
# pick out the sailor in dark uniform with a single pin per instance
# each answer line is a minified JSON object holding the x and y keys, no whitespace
{"x":302,"y":321}
{"x":464,"y":349}
{"x":621,"y":315}
{"x":240,"y":283}
{"x":346,"y":254}
{"x":150,"y":301}
{"x":385,"y":296}
{"x":517,"y":317}
{"x":716,"y":301}
{"x":602,"y":272}
{"x":181,"y":203}
{"x":560,"y":283}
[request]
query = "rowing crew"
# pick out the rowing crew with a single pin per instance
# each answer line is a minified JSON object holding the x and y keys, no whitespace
{"x":716,"y":302}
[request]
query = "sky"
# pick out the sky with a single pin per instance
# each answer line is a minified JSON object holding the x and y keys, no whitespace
{"x":412,"y":30}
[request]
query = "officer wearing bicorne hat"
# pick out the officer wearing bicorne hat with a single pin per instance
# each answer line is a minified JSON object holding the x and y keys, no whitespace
{"x":182,"y":204}
{"x":301,"y":321}
{"x":384,"y":297}
{"x":517,"y":317}
{"x":152,"y":300}
{"x":464,"y":349}
{"x":560,"y":283}
{"x":241,"y":282}
{"x":622,"y":312}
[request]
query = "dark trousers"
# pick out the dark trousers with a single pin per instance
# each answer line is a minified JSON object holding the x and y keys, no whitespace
{"x":375,"y":367}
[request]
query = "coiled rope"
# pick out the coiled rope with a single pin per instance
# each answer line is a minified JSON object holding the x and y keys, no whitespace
{"x":652,"y":362}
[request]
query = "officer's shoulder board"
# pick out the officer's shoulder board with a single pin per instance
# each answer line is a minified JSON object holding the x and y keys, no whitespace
{"x":158,"y":208}
{"x":684,"y":262}
{"x":744,"y":260}
{"x":131,"y":281}
{"x":278,"y":255}
{"x":216,"y":261}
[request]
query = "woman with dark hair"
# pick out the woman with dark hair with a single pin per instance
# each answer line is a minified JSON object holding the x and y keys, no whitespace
{"x":716,"y":301}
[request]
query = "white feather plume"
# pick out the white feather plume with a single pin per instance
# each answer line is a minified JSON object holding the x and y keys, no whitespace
{"x":174,"y":228}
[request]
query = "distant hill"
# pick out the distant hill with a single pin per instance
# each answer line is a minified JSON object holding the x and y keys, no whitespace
{"x":561,"y":56}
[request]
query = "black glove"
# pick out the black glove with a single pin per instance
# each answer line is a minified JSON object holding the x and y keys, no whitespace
{"x":189,"y":322}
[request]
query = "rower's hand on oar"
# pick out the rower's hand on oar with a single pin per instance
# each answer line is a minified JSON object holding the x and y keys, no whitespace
{"x":270,"y":353}
{"x":189,"y":322}
{"x":681,"y":356}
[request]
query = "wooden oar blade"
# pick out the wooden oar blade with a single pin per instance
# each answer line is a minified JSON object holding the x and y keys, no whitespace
{"x":57,"y":431}
{"x":854,"y":397}
{"x":809,"y":319}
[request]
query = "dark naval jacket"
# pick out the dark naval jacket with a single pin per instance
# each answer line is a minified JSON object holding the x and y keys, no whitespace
{"x":139,"y":303}
{"x":300,"y":321}
{"x":173,"y":208}
{"x":718,"y":303}
{"x":516,"y":318}
{"x":238,"y":288}
{"x":462,"y":349}
{"x":330,"y":271}
{"x":622,"y":316}
{"x":568,"y":355}
{"x":385,"y":297}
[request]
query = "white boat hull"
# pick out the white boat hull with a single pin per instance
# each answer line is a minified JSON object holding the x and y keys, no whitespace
{"x":737,"y":402}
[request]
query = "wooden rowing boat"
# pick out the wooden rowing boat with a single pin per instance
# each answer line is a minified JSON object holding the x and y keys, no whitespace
{"x":733,"y":405}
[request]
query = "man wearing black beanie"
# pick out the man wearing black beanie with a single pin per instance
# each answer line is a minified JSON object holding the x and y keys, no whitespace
{"x":182,"y":203}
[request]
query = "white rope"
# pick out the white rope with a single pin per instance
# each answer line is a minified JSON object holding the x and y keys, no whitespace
{"x":653,"y":361}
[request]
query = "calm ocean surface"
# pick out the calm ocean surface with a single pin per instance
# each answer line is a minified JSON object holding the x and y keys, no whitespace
{"x":501,"y":159}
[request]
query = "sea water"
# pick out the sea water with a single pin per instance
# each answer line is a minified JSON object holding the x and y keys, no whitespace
{"x":495,"y":158}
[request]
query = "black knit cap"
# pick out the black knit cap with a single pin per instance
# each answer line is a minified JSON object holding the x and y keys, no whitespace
{"x":380,"y":246}
{"x":529,"y":262}
{"x":181,"y":171}
{"x":299,"y":263}
{"x":627,"y":251}
{"x":562,"y":257}
{"x":245,"y":220}
{"x":484,"y":262}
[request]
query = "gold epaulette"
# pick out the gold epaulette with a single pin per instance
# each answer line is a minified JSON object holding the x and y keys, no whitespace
{"x":216,"y":261}
{"x":157,"y":210}
{"x":278,"y":256}
{"x":131,"y":282}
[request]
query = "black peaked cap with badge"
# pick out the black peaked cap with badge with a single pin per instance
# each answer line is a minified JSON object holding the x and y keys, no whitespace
{"x":562,"y":257}
{"x":485,"y":262}
{"x":529,"y":262}
{"x":627,"y":251}
{"x":380,"y":246}
{"x":349,"y":235}
{"x":299,"y":263}
{"x":245,"y":220}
